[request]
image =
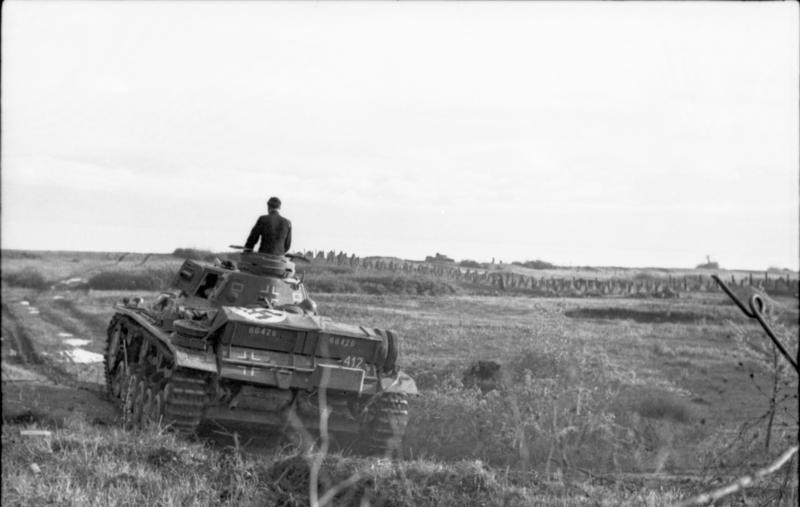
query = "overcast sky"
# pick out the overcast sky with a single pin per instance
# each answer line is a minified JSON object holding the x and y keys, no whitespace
{"x":629,"y":134}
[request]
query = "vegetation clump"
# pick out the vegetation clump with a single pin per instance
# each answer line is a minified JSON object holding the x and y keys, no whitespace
{"x":20,"y":254}
{"x":542,"y":406}
{"x":141,"y":279}
{"x":93,"y":465}
{"x":536,"y":264}
{"x":467,"y":263}
{"x":347,"y":281}
{"x":657,"y":404}
{"x":331,"y":284}
{"x":28,"y":278}
{"x":194,"y":254}
{"x":409,"y":284}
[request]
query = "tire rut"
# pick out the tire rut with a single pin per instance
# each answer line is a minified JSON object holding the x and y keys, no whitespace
{"x":19,"y":338}
{"x":94,"y":323}
{"x":30,"y":358}
{"x":63,"y":314}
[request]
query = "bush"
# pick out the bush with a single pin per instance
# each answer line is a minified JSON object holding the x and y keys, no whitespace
{"x":20,"y":254}
{"x":151,"y":279}
{"x":28,"y":278}
{"x":543,"y":365}
{"x":415,"y":285}
{"x":194,"y":254}
{"x":537,"y":264}
{"x":373,"y":288}
{"x":331,"y":284}
{"x":377,"y":284}
{"x":548,"y":404}
{"x":520,"y":425}
{"x":661,"y":405}
{"x":321,"y":269}
{"x":470,"y":264}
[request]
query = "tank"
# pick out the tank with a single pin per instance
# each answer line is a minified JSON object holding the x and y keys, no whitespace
{"x":241,"y":341}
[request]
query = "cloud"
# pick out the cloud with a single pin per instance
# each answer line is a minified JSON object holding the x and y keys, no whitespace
{"x":539,"y":117}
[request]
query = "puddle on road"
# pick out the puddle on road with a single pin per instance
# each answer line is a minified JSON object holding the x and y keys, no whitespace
{"x":78,"y":355}
{"x":58,"y":297}
{"x":65,"y":335}
{"x":31,"y":309}
{"x":76,"y":342}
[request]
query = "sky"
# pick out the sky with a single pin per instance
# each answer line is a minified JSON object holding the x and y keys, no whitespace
{"x":579,"y":133}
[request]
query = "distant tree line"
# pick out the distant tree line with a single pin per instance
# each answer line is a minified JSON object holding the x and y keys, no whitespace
{"x":472,"y":275}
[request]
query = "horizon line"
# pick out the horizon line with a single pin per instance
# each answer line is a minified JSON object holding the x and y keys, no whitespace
{"x":455,"y":262}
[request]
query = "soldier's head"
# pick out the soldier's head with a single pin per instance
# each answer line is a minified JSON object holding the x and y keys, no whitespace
{"x":273,"y":203}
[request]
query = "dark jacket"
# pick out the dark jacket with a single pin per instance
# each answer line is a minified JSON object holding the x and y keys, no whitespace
{"x":275,"y":232}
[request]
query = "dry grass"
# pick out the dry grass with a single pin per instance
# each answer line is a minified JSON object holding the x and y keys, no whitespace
{"x":86,"y":465}
{"x":149,"y":279}
{"x":600,"y":385}
{"x":57,"y":266}
{"x":27,"y":277}
{"x":378,"y":284}
{"x":651,"y":393}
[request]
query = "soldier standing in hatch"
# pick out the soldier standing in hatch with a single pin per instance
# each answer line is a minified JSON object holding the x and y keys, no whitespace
{"x":274,"y":230}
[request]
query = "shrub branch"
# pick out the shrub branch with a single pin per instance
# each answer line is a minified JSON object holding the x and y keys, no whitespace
{"x":742,"y":483}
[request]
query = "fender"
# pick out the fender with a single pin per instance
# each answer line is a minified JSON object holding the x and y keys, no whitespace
{"x":197,"y":360}
{"x":401,"y":383}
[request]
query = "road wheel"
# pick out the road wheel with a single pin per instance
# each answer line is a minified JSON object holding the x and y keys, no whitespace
{"x":156,"y":407}
{"x":118,"y":382}
{"x":147,"y":405}
{"x":132,"y":406}
{"x":139,"y":403}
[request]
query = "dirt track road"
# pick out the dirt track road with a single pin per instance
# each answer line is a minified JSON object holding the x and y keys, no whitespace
{"x":49,"y":374}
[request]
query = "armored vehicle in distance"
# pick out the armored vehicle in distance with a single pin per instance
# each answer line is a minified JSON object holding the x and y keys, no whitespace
{"x":243,"y":342}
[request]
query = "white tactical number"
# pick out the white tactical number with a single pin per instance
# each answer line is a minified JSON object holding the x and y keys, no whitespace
{"x":353,"y":362}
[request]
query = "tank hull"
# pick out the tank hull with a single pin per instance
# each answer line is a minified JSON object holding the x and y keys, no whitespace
{"x":256,"y":366}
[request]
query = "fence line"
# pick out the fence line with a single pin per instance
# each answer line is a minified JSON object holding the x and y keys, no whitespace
{"x":667,"y":287}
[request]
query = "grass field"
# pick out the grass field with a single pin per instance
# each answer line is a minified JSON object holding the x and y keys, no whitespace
{"x":596,"y":401}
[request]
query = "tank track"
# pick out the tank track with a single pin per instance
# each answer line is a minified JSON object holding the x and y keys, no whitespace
{"x":389,"y":417}
{"x":144,"y":381}
{"x":185,"y":397}
{"x":115,"y":334}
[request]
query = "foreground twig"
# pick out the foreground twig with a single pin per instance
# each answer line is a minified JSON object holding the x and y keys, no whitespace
{"x":756,"y":311}
{"x":742,"y":483}
{"x":317,"y":458}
